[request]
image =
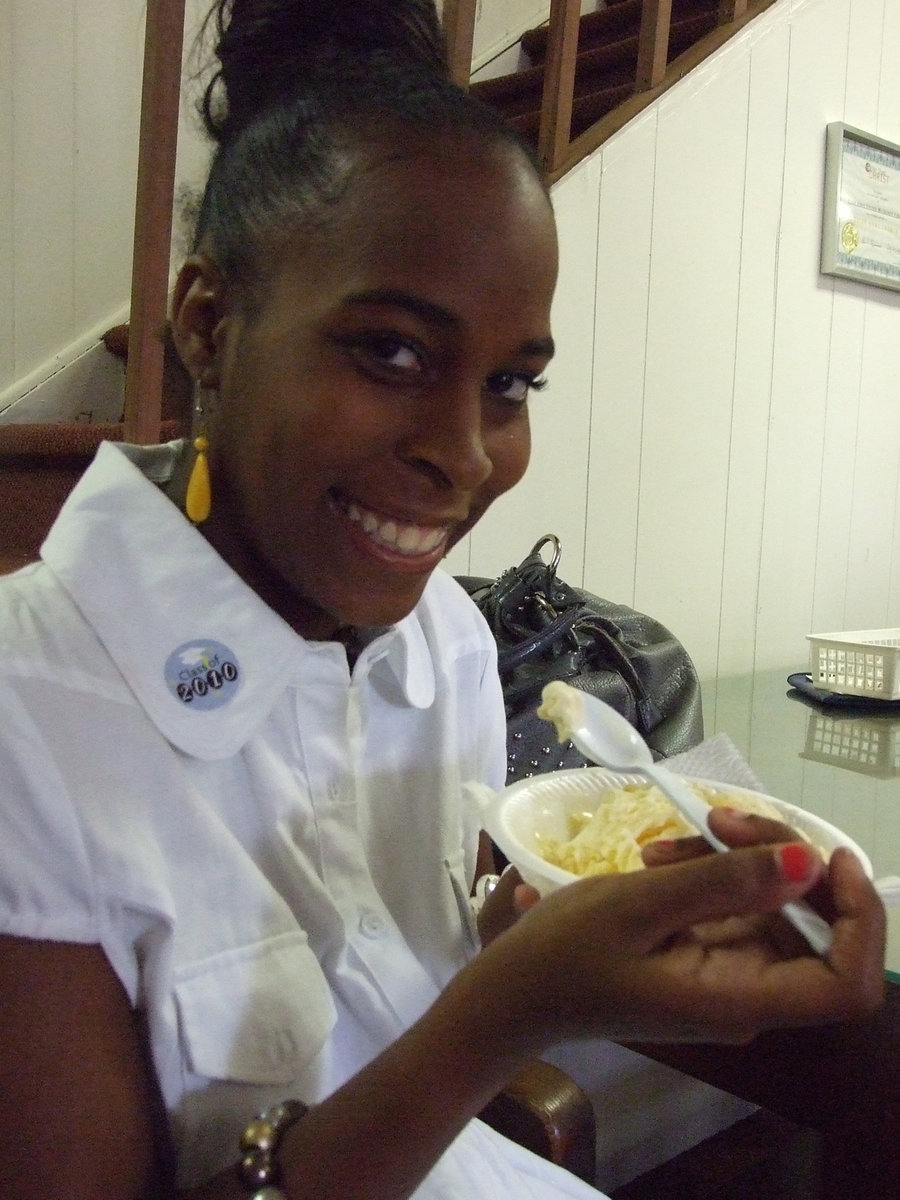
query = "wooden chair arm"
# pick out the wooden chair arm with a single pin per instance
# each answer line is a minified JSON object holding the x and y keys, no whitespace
{"x":545,"y":1111}
{"x":841,"y":1080}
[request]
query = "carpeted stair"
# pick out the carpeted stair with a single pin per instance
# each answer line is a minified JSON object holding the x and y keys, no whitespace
{"x":40,"y":463}
{"x":607,"y":63}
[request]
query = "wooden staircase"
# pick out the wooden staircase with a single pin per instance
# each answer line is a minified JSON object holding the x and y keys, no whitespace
{"x":591,"y":74}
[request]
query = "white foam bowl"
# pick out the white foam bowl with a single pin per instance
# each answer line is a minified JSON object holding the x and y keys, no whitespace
{"x":541,"y":807}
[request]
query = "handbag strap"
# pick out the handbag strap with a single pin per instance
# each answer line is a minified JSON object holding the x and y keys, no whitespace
{"x":648,"y":711}
{"x":534,"y":583}
{"x":514,"y":656}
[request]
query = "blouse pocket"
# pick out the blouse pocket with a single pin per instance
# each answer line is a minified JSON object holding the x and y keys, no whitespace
{"x":257,"y":1013}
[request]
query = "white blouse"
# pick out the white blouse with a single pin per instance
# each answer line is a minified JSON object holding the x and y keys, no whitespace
{"x":274,"y":854}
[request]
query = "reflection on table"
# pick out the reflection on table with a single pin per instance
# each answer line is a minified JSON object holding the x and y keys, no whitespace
{"x":841,"y":763}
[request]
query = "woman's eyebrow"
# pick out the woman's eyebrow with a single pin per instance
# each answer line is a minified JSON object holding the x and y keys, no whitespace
{"x":426,"y":310}
{"x":435,"y":314}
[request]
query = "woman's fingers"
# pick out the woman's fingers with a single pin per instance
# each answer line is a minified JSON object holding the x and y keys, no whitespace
{"x":859,"y":924}
{"x":504,"y":904}
{"x":732,"y":826}
{"x":758,"y":879}
{"x":738,"y":828}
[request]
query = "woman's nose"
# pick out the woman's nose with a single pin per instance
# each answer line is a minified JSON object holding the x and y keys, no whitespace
{"x":448,"y":439}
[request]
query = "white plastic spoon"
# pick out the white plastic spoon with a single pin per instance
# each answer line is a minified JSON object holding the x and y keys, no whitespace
{"x":605,"y":737}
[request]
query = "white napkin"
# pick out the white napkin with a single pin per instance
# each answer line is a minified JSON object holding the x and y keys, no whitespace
{"x":717,"y":758}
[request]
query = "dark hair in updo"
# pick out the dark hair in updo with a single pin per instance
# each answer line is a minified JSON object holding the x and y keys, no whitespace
{"x":299,"y":84}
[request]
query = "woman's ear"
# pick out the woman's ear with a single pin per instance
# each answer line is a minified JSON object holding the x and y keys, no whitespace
{"x":198,"y":314}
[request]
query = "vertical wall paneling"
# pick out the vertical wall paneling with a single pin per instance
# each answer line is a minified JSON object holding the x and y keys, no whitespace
{"x":840,"y":466}
{"x":872,"y":527}
{"x":43,"y":64}
{"x":624,"y":227}
{"x":889,"y":76}
{"x":106,"y":118}
{"x":835,"y":479}
{"x":818,"y":51}
{"x":749,"y":431}
{"x":864,"y":68}
{"x":7,"y":184}
{"x":691,"y":330}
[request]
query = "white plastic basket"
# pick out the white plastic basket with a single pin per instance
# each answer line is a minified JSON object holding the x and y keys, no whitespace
{"x":863,"y":662}
{"x":870,"y":746}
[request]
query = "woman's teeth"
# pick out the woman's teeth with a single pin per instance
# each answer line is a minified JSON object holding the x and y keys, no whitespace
{"x":405,"y":539}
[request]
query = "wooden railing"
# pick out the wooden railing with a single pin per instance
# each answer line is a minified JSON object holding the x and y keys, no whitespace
{"x":163,"y":39}
{"x":654,"y":73}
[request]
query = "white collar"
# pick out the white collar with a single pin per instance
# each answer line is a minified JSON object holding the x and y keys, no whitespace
{"x":165,"y":605}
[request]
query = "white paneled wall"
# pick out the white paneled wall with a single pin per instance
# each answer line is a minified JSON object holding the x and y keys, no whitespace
{"x":69,"y":104}
{"x":721,"y":439}
{"x":70,"y":92}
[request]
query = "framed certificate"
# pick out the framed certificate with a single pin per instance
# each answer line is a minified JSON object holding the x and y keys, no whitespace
{"x":861,"y":216}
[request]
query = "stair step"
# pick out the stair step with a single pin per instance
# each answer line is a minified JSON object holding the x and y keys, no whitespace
{"x":621,"y":18}
{"x":586,"y":111}
{"x":618,"y":20}
{"x":606,"y":66}
{"x":514,"y":93}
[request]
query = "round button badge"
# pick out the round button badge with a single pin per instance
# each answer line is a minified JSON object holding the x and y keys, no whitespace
{"x":202,"y":674}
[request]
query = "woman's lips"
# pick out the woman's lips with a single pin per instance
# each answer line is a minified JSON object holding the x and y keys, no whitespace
{"x":401,"y":537}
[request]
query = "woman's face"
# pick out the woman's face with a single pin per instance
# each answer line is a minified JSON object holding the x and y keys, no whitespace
{"x":374,"y":405}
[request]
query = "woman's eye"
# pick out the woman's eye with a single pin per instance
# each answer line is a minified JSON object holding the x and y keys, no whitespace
{"x":514,"y":385}
{"x":386,"y":350}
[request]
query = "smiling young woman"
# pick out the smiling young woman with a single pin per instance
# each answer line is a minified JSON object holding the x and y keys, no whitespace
{"x":392,"y":363}
{"x":235,"y":855}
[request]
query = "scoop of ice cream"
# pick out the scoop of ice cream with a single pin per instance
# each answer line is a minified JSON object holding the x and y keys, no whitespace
{"x":562,"y":706}
{"x":609,"y":840}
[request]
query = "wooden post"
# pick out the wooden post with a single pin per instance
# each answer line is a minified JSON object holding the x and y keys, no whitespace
{"x":653,"y":43}
{"x":459,"y":32}
{"x":160,"y":97}
{"x":731,"y":10}
{"x":559,"y":82}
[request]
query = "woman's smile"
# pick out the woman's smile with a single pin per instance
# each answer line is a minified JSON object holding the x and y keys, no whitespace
{"x":412,"y":541}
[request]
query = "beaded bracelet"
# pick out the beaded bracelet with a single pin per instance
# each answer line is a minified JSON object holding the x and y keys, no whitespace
{"x":258,"y":1168}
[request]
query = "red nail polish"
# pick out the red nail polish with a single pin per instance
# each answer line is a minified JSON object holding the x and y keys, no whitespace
{"x":796,"y":862}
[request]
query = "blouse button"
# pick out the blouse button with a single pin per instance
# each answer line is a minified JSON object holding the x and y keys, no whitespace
{"x":372,"y":924}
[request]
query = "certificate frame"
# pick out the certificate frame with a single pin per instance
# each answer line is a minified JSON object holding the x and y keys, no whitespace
{"x":861,"y":213}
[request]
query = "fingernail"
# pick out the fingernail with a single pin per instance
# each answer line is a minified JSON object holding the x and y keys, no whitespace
{"x":796,"y":861}
{"x":735,"y":812}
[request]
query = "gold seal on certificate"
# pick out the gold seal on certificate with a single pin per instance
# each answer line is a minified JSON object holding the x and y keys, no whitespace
{"x":849,"y":237}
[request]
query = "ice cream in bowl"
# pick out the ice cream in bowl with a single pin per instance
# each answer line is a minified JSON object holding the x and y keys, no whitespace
{"x":564,"y":825}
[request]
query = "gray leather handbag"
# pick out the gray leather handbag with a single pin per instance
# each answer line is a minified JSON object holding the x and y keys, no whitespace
{"x":546,"y":629}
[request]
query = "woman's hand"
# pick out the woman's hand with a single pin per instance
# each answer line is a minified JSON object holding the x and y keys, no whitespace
{"x":692,"y":950}
{"x":504,"y":904}
{"x":737,"y":828}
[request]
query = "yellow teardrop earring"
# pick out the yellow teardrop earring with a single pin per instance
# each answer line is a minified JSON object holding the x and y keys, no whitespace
{"x":198,"y":498}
